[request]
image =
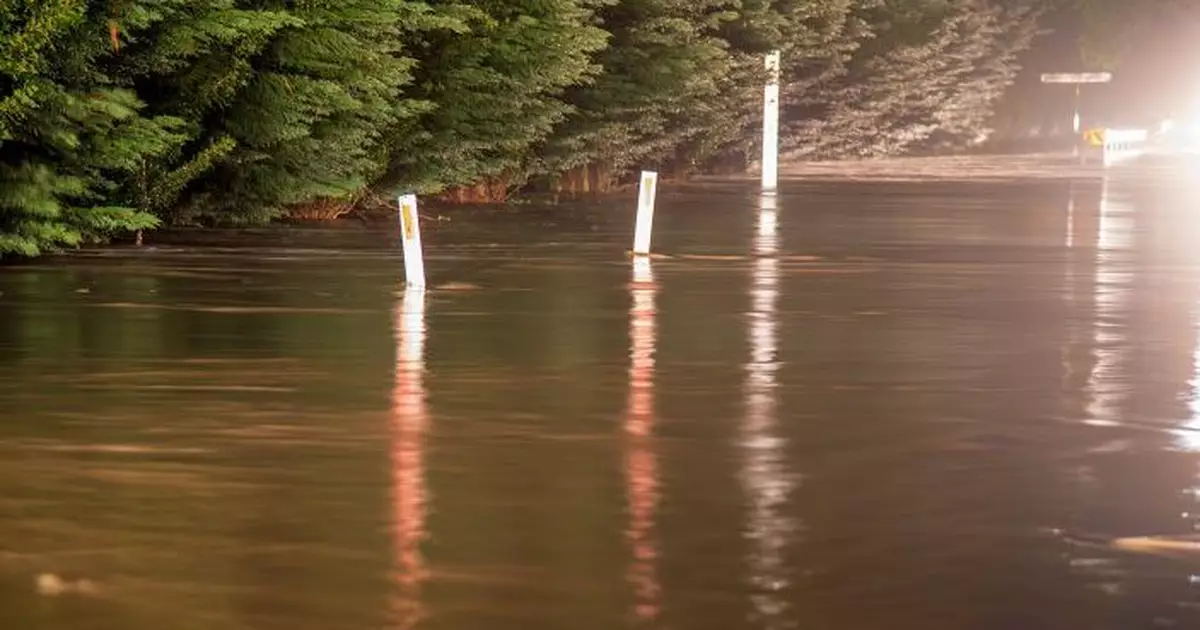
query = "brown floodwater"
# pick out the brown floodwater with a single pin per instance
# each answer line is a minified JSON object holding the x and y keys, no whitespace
{"x":860,"y":405}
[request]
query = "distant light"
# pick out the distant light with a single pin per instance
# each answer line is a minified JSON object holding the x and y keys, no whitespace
{"x":1077,"y":77}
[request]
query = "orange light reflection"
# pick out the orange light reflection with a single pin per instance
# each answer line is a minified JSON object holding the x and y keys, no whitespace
{"x":641,"y":463}
{"x":408,"y":423}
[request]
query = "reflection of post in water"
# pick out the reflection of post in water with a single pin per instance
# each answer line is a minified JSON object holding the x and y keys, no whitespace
{"x":1112,"y":285}
{"x":409,"y":418}
{"x":1188,"y":436}
{"x":641,"y":465}
{"x":765,"y":478}
{"x":1071,"y":217}
{"x":1068,"y":289}
{"x":1078,"y":292}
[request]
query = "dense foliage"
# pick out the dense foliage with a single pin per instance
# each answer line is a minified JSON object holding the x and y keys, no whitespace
{"x":928,"y":81}
{"x":119,"y":115}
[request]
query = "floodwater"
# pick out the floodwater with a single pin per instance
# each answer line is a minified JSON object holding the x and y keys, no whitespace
{"x":856,"y":406}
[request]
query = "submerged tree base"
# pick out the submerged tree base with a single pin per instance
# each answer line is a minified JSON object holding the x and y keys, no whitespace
{"x":323,"y":210}
{"x":585,"y":180}
{"x":491,"y":190}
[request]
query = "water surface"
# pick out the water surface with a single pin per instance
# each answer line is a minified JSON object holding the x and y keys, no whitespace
{"x":858,"y":405}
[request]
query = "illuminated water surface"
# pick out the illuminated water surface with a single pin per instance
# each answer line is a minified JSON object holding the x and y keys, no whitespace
{"x":849,"y":406}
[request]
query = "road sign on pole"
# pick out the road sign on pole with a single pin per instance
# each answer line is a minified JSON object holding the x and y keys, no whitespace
{"x":1076,"y":79}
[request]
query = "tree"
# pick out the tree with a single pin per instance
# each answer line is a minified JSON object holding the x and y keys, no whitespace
{"x":187,"y":59}
{"x":116,"y":114}
{"x":682,"y":83}
{"x":494,"y":76}
{"x":929,"y":79}
{"x":305,"y":99}
{"x":964,"y":117}
{"x":815,"y":38}
{"x":67,"y":136}
{"x":663,"y":61}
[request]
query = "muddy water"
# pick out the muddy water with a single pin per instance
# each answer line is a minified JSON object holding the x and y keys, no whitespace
{"x":861,"y":405}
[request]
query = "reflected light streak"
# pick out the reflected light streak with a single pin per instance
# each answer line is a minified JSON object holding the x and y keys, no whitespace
{"x":1187,"y":436}
{"x":1069,"y":288}
{"x":1112,"y":286}
{"x":1071,"y":218}
{"x":641,"y":463}
{"x":765,"y":477}
{"x":408,"y":423}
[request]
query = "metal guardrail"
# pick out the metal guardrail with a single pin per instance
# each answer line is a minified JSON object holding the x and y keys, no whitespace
{"x":1122,"y":145}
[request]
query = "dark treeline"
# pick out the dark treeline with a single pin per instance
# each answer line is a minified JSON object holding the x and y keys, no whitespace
{"x":119,"y":115}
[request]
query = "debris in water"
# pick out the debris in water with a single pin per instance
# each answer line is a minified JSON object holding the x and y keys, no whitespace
{"x":53,"y":585}
{"x":456,"y":286}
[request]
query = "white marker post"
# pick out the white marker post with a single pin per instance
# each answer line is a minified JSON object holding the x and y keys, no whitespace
{"x":410,"y":234}
{"x":770,"y":141}
{"x":647,"y":189}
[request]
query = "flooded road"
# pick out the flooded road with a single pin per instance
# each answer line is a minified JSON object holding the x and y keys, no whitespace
{"x":858,"y":406}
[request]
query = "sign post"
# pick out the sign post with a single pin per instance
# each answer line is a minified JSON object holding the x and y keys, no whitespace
{"x":1077,"y":79}
{"x":647,"y":189}
{"x":410,"y":234}
{"x":770,"y":142}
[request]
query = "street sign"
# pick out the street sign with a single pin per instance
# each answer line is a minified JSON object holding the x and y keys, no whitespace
{"x":1077,"y":77}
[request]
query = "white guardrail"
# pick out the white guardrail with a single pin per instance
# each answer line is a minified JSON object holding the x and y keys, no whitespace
{"x":1123,"y":145}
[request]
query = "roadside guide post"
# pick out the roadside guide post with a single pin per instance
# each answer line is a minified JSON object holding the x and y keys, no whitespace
{"x":410,"y":234}
{"x":770,"y":140}
{"x":647,"y":190}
